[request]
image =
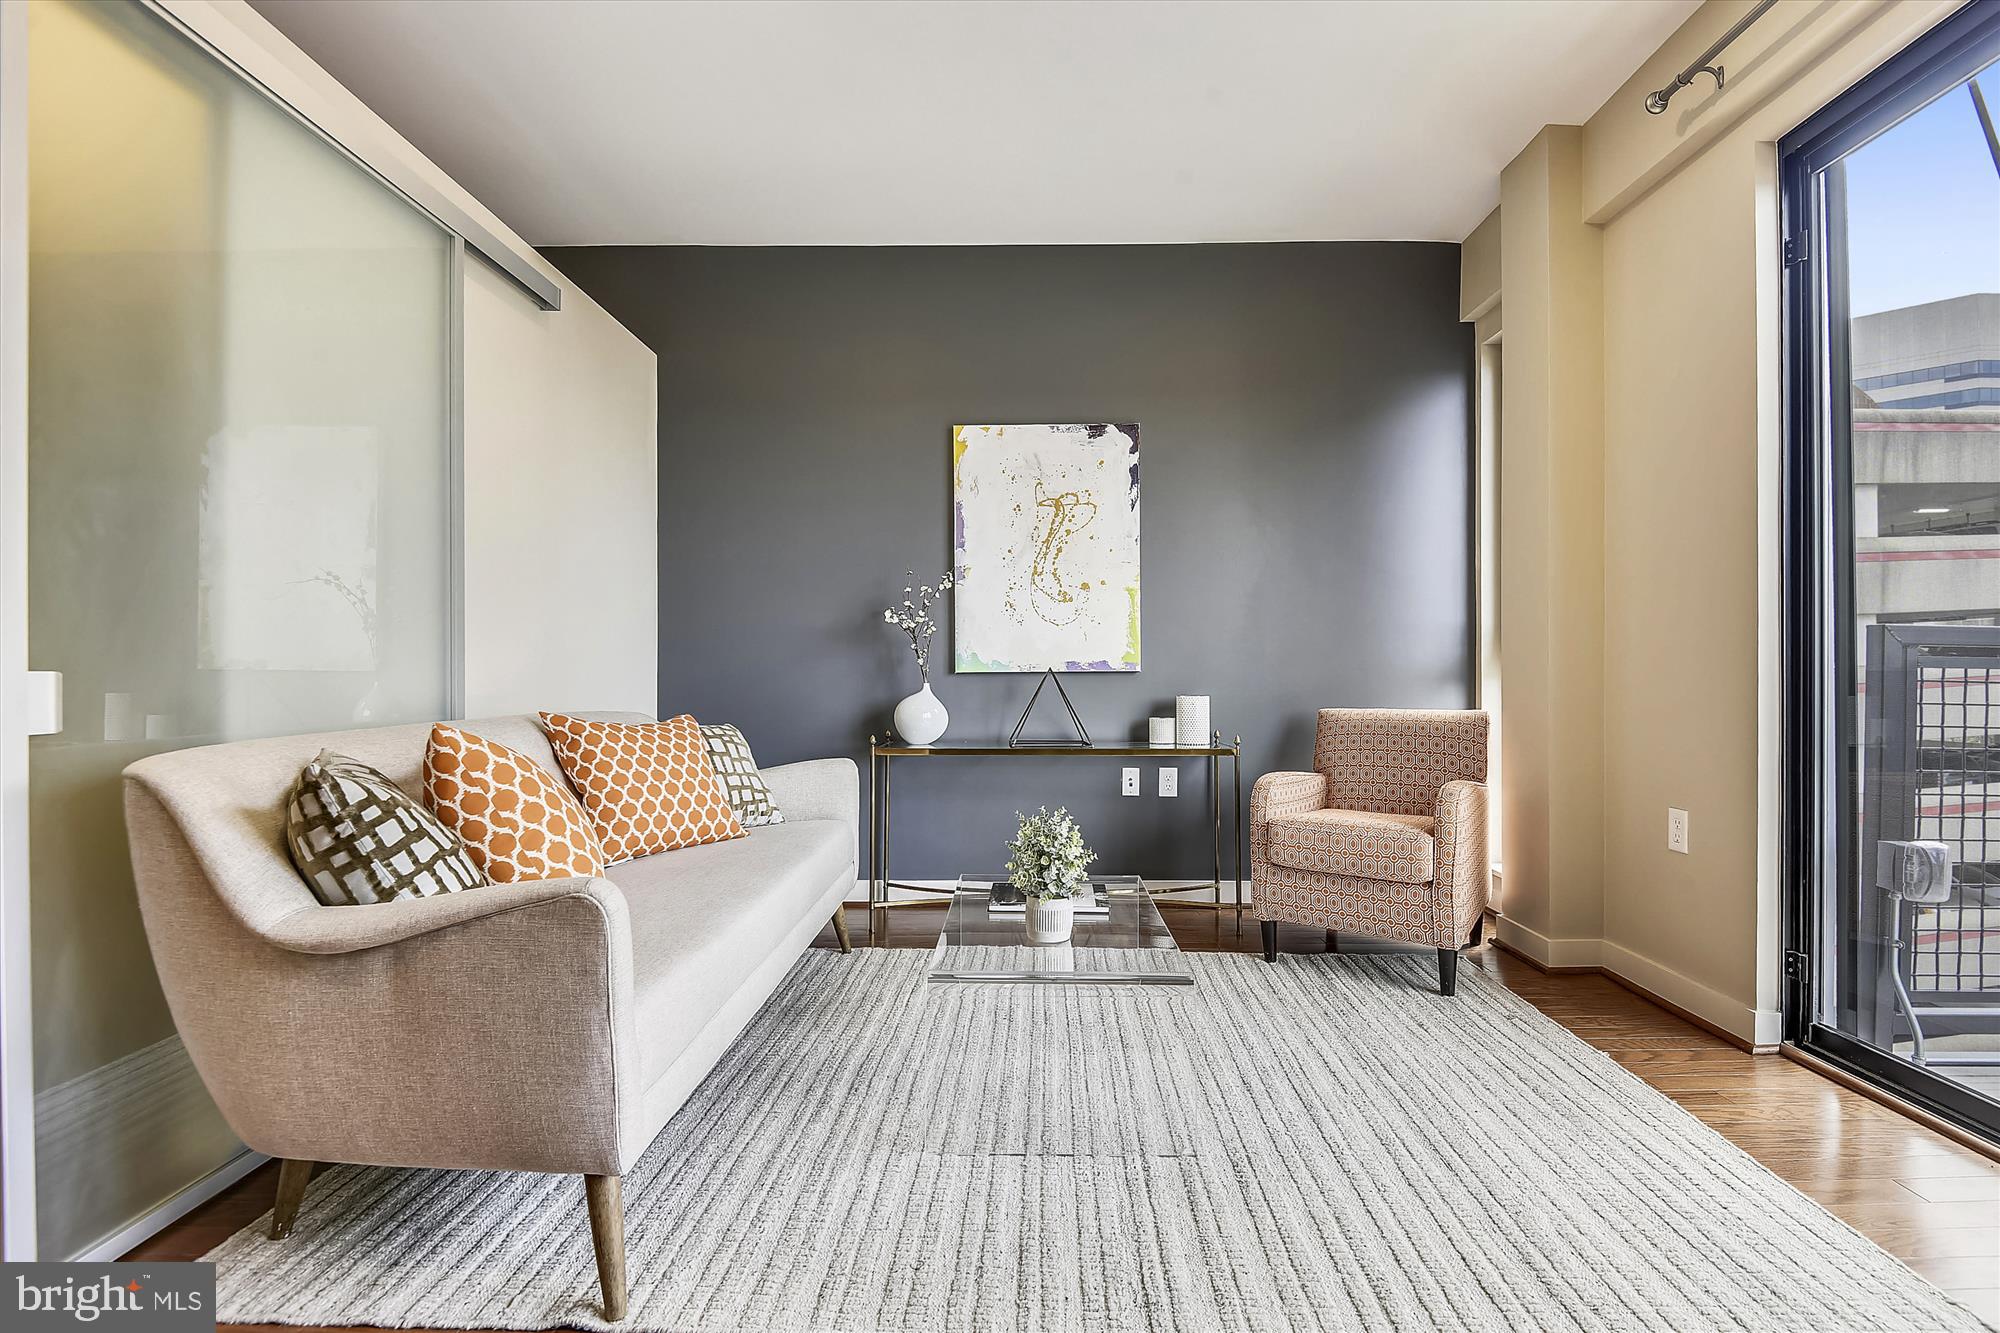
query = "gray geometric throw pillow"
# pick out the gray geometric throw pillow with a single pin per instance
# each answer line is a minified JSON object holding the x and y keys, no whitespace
{"x":729,"y":755}
{"x":359,"y":838}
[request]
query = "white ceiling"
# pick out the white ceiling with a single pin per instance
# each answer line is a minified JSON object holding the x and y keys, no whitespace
{"x":858,"y":122}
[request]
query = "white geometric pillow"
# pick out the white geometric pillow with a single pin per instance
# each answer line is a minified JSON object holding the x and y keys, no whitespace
{"x":729,"y":755}
{"x":359,"y":838}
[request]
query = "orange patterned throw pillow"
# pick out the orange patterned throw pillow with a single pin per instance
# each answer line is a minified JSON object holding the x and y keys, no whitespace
{"x":647,"y":786}
{"x":517,"y":819}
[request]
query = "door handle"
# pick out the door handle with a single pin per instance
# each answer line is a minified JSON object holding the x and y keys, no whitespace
{"x":42,"y":702}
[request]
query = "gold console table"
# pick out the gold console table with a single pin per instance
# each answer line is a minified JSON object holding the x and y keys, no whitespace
{"x":882,"y":754}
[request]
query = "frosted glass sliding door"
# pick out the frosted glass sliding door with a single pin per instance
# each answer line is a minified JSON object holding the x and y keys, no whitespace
{"x":239,"y":523}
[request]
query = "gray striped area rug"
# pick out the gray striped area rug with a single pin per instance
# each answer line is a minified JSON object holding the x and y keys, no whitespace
{"x":1324,"y":1143}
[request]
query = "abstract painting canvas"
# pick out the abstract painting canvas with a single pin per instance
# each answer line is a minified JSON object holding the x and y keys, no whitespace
{"x":1046,"y":534}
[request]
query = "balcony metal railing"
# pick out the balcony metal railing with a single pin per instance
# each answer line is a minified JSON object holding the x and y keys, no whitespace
{"x":1931,"y":772}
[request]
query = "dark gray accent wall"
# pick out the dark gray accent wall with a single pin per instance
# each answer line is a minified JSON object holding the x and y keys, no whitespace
{"x":1306,"y":509}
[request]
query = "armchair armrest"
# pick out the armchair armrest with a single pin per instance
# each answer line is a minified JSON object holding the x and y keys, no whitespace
{"x":1276,"y":795}
{"x":1461,"y":858}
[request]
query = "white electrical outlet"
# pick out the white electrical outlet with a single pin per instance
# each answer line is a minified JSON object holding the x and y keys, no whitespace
{"x":1170,"y":782}
{"x":1677,"y":830}
{"x":1131,"y":783}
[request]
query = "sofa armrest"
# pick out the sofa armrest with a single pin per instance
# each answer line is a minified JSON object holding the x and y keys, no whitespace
{"x":491,"y":1028}
{"x":819,"y":789}
{"x":347,"y":929}
{"x":501,"y":1040}
{"x":1462,"y":869}
{"x":816,"y":789}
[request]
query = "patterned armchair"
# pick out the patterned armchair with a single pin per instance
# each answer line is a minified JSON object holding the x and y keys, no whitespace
{"x":1386,"y":837}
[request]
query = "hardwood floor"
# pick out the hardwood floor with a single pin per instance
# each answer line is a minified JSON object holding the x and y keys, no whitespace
{"x":1928,"y":1201}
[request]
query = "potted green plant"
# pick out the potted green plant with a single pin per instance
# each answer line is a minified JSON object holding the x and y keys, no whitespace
{"x":1050,"y":866}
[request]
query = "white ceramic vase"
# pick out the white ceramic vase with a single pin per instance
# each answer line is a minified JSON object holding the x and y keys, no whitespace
{"x":1049,"y":919}
{"x":921,"y":719}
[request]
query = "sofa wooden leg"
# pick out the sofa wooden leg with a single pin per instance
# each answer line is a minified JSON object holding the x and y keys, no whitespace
{"x":1333,"y":941}
{"x":1270,"y":940}
{"x":840,"y":929}
{"x":1447,"y":971}
{"x":606,"y":1195}
{"x":1479,"y":930}
{"x":293,"y":1176}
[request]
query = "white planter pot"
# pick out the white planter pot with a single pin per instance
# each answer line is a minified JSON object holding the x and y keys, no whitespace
{"x":1049,"y":919}
{"x":921,"y":719}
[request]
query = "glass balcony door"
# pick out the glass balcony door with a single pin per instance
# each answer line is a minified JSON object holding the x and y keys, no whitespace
{"x":1892,"y":203}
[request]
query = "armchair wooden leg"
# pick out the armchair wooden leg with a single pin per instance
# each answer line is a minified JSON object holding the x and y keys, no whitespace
{"x":1479,"y":930}
{"x":1270,"y":940}
{"x":840,"y":929}
{"x":606,"y":1196}
{"x":1447,"y":971}
{"x":1333,"y":941}
{"x":293,"y":1175}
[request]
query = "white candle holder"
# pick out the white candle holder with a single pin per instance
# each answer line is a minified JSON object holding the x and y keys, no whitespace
{"x":1191,"y":720}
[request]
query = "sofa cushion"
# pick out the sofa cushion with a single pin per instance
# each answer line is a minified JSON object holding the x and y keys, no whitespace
{"x":1358,"y":843}
{"x":703,"y":918}
{"x":648,"y":787}
{"x":518,"y":820}
{"x":359,"y":838}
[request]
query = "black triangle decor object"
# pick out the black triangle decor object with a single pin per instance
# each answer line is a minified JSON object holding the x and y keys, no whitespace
{"x":1082,"y":736}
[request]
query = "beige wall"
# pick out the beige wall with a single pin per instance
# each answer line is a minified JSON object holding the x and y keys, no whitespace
{"x":561,"y":566}
{"x":1551,"y":526}
{"x":1687,"y":511}
{"x":1479,"y":269}
{"x":1688,"y":203}
{"x":1682,"y":718}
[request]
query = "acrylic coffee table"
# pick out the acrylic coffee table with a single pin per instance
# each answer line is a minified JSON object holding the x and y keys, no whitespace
{"x":1129,"y":945}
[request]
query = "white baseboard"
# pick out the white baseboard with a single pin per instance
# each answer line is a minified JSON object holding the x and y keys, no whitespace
{"x":148,"y":1110}
{"x":1548,"y":952}
{"x":859,"y":898}
{"x":120,"y":1242}
{"x":1759,"y":1027}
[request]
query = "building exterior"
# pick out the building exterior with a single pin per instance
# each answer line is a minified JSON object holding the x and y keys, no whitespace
{"x":1942,"y":354}
{"x":1924,"y":454}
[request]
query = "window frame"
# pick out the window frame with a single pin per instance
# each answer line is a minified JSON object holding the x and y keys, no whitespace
{"x":1817,"y":664}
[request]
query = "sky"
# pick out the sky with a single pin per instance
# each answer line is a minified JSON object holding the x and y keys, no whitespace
{"x":1923,"y":207}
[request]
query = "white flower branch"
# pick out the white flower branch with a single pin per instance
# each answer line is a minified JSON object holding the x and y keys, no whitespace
{"x":913,"y":617}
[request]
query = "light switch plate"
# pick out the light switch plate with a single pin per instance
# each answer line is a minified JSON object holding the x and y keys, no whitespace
{"x":1130,"y":786}
{"x":1677,"y":830}
{"x":1170,"y":781}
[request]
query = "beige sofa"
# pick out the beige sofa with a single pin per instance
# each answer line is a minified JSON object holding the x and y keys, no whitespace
{"x":552,"y":1026}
